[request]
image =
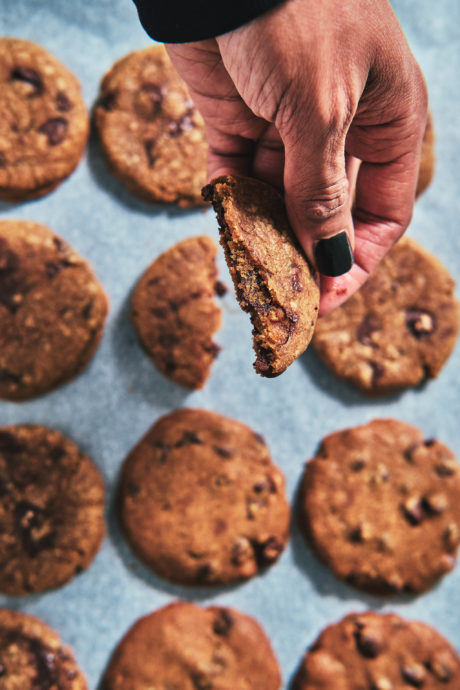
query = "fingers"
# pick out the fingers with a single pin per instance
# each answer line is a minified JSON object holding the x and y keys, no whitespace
{"x":317,"y":194}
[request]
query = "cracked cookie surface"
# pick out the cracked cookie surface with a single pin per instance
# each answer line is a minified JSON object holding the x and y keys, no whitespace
{"x":151,"y":133}
{"x":380,"y":505}
{"x":201,"y":501}
{"x":32,"y":656}
{"x":174,"y":311}
{"x":186,"y":647}
{"x":52,"y":310}
{"x":51,"y":509}
{"x":272,"y":278}
{"x":398,"y":329}
{"x":44,"y":123}
{"x":371,"y":651}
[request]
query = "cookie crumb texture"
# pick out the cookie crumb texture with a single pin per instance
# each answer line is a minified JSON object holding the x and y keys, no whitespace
{"x":43,"y":121}
{"x":398,"y":329}
{"x":370,"y":651}
{"x":201,"y":501}
{"x":273,"y":281}
{"x":151,"y":134}
{"x":380,"y":505}
{"x":52,"y":310}
{"x":32,"y":656}
{"x":185,"y":647}
{"x":51,"y":509}
{"x":174,"y":311}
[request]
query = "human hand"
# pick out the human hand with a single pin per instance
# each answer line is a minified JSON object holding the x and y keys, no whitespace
{"x":294,"y":98}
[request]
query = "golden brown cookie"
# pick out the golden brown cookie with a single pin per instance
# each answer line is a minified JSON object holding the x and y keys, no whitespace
{"x":398,"y":329}
{"x":381,"y":506}
{"x":33,"y":658}
{"x":152,"y":136}
{"x":51,"y":509}
{"x":185,"y":647}
{"x":371,"y":651}
{"x":43,"y":121}
{"x":272,"y":278}
{"x":175,"y":314}
{"x":427,"y":161}
{"x":201,"y":501}
{"x":52,"y":310}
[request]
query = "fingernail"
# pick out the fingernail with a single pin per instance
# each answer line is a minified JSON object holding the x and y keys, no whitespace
{"x":334,"y":255}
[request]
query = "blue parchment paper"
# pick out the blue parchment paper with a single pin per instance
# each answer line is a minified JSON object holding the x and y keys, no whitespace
{"x":108,"y":408}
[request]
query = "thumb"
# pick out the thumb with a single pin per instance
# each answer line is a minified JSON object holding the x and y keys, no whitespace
{"x":318,"y":198}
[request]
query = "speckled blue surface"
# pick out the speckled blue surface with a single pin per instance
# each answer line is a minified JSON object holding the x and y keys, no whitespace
{"x":111,"y":405}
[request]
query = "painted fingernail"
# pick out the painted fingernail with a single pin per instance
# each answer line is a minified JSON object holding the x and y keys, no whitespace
{"x":334,"y":255}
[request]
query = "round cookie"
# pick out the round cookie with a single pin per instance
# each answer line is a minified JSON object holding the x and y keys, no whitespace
{"x":44,"y":124}
{"x":427,"y":161}
{"x":381,"y":507}
{"x":201,"y":501}
{"x":398,"y":329}
{"x":187,"y":647}
{"x":371,"y":651}
{"x":174,"y":312}
{"x":151,"y":134}
{"x":51,"y":509}
{"x":32,"y":656}
{"x":273,"y":279}
{"x":52,"y":310}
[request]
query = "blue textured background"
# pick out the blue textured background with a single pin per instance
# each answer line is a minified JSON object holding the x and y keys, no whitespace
{"x":112,"y":404}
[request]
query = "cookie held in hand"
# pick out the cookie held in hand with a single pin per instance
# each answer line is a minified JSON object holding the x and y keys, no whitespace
{"x":273,"y":279}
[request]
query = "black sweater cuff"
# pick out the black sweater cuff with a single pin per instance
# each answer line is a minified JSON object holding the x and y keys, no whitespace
{"x":184,"y":21}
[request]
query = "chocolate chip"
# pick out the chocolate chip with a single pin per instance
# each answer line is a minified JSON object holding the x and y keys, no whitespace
{"x":259,"y":438}
{"x":446,"y":468}
{"x":56,"y":453}
{"x":86,"y":313}
{"x":55,"y":129}
{"x":189,"y":438}
{"x":267,"y":552}
{"x":28,"y":518}
{"x":148,"y":100}
{"x":28,"y":76}
{"x":413,"y":511}
{"x":9,"y":443}
{"x":435,"y":503}
{"x":420,"y":323}
{"x":149,"y":146}
{"x":367,"y":644}
{"x":204,"y":572}
{"x":295,"y":282}
{"x":63,"y":104}
{"x":224,"y":451}
{"x":357,"y":465}
{"x":368,"y":325}
{"x":377,"y":371}
{"x":220,"y":288}
{"x":108,"y":101}
{"x":54,"y":268}
{"x":213,"y":349}
{"x":242,"y":551}
{"x":7,"y":376}
{"x":414,"y":675}
{"x":356,"y":534}
{"x":223,"y":622}
{"x":201,"y":682}
{"x":10,"y":283}
{"x":164,"y":451}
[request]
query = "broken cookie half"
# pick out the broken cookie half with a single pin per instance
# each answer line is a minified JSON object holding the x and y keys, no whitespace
{"x":273,"y":280}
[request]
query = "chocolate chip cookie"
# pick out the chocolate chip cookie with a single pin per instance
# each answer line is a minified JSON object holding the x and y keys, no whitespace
{"x":32,"y":656}
{"x":201,"y":501}
{"x":175,"y":314}
{"x":43,"y":121}
{"x":381,"y":506}
{"x":371,"y":651}
{"x":427,"y":161}
{"x":52,"y":310}
{"x":185,"y":647}
{"x":398,"y":329}
{"x":51,"y":509}
{"x":272,"y":278}
{"x":152,"y":136}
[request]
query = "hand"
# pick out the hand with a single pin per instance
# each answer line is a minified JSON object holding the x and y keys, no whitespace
{"x":294,"y":98}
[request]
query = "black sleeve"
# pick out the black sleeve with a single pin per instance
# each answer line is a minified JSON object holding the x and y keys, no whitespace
{"x":183,"y":21}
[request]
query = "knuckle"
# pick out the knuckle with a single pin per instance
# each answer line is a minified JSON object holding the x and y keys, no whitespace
{"x":325,"y":202}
